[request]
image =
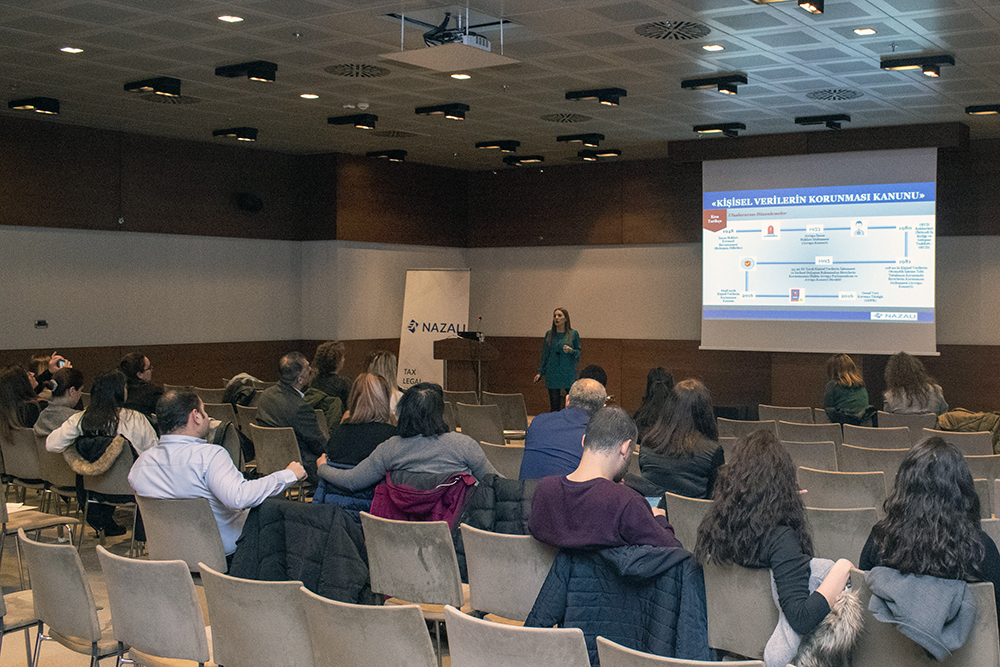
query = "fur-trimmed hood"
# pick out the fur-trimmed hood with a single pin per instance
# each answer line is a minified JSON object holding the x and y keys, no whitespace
{"x":82,"y":466}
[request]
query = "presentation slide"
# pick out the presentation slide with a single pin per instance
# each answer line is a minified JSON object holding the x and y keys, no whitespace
{"x":801,"y":263}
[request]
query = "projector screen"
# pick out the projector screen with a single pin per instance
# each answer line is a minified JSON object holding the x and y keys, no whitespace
{"x":820,"y":253}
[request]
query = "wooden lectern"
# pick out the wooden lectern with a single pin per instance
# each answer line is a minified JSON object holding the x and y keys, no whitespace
{"x":463,"y":362}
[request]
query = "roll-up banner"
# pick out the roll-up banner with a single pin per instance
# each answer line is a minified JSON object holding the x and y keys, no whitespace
{"x":435,"y":306}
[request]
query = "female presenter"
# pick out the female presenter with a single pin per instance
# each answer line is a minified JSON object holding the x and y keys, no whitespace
{"x":560,"y":354}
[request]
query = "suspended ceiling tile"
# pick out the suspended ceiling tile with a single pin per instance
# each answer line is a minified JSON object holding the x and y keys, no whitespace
{"x":819,"y":55}
{"x":627,"y":11}
{"x":176,"y":30}
{"x":100,"y":14}
{"x":750,"y":20}
{"x":749,"y":62}
{"x":43,"y":25}
{"x":907,"y":6}
{"x":895,"y":47}
{"x":600,"y":39}
{"x":848,"y":67}
{"x":971,"y":40}
{"x":779,"y":39}
{"x":950,"y":22}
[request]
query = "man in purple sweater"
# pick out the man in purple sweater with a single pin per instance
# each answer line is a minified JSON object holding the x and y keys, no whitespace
{"x":589,"y":508}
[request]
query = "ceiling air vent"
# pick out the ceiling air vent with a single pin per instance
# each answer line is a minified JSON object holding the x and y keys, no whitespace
{"x":357,"y":71}
{"x":834,"y":94}
{"x":673,"y":30}
{"x":566,"y":118}
{"x":164,"y":99}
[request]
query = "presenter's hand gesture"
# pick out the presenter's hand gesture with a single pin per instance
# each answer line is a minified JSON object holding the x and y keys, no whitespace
{"x":567,"y":349}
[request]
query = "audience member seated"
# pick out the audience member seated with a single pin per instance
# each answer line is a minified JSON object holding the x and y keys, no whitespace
{"x":91,"y":447}
{"x":383,"y":363}
{"x":659,"y":385}
{"x":846,"y":399}
{"x":67,"y":389}
{"x":757,"y":520}
{"x":595,"y":372}
{"x":284,"y":405}
{"x":553,"y":444}
{"x":680,"y":453}
{"x":931,"y":525}
{"x":367,"y":423}
{"x":327,"y":364}
{"x":142,"y":393}
{"x":19,"y":404}
{"x":184,"y":465}
{"x":908,"y":388}
{"x":40,"y":370}
{"x":424,"y":445}
{"x":589,"y":509}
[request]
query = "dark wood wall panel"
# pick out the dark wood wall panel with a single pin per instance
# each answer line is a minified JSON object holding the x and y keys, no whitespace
{"x":661,"y":202}
{"x":980,"y":173}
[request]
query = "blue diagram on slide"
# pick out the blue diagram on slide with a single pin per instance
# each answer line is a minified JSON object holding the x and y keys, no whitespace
{"x":846,"y":253}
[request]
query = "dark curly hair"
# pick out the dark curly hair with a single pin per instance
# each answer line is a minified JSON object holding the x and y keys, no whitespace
{"x":931,"y":523}
{"x":756,"y":492}
{"x":905,"y":376}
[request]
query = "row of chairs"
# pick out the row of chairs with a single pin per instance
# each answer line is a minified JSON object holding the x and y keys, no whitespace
{"x":807,"y":415}
{"x":511,"y":413}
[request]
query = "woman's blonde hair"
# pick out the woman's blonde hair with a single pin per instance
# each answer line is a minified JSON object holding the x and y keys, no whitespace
{"x":368,"y":400}
{"x":382,"y":363}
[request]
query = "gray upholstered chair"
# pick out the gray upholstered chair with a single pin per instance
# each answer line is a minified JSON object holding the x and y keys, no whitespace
{"x":476,"y":643}
{"x":505,"y":458}
{"x":224,"y":412}
{"x":30,"y":520}
{"x":863,"y":459}
{"x":469,"y":397}
{"x":728,"y":444}
{"x":736,"y":428}
{"x":882,"y":645}
{"x":842,"y":490}
{"x":984,"y":490}
{"x":56,"y":472}
{"x":182,"y":529}
{"x":513,"y":413}
{"x":992,"y":528}
{"x":984,"y":467}
{"x":840,"y":533}
{"x":154,"y":611}
{"x":274,"y":449}
{"x":815,"y":455}
{"x":897,"y":437}
{"x":915,"y":422}
{"x":741,"y":610}
{"x":820,"y":416}
{"x":780,"y":413}
{"x":20,"y":460}
{"x":505,"y":571}
{"x":64,"y":602}
{"x":684,"y":514}
{"x":480,"y":422}
{"x":210,"y":395}
{"x":244,"y":417}
{"x":616,"y":655}
{"x":256,"y":623}
{"x":970,"y":443}
{"x":113,"y":482}
{"x":793,"y":432}
{"x":354,"y":635}
{"x":17,"y":612}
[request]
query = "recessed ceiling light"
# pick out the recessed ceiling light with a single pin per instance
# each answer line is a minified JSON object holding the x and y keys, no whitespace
{"x":231,"y":19}
{"x":71,"y":49}
{"x":461,"y":77}
{"x":864,"y":31}
{"x":309,"y":96}
{"x":714,"y":47}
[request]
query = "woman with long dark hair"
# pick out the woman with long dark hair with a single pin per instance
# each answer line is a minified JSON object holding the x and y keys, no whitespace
{"x":659,"y":384}
{"x":908,"y":388}
{"x":757,"y":520}
{"x":680,"y":452}
{"x":19,"y":405}
{"x":560,"y":355}
{"x":931,"y":523}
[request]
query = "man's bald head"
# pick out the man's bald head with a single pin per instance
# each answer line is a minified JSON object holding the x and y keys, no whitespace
{"x":587,"y":394}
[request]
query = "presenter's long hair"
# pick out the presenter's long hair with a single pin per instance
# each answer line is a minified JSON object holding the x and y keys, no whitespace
{"x":841,"y":370}
{"x":107,"y":398}
{"x":567,"y":328}
{"x":659,"y":385}
{"x":686,"y":419}
{"x":756,"y":492}
{"x":931,"y":523}
{"x":905,"y":375}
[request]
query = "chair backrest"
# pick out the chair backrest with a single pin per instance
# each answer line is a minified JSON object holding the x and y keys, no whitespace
{"x":114,"y":480}
{"x":60,"y":589}
{"x":863,"y":459}
{"x":995,"y":496}
{"x":53,"y":466}
{"x":473,"y":642}
{"x":449,"y":415}
{"x":820,"y":416}
{"x":210,"y":395}
{"x":779,"y":413}
{"x":480,"y":422}
{"x":468,"y":397}
{"x":168,"y":387}
{"x":154,"y":608}
{"x":324,"y":426}
{"x":842,"y":490}
{"x":182,"y":529}
{"x":984,"y":488}
{"x":354,"y":635}
{"x":728,"y":444}
{"x":737,"y":428}
{"x":274,"y":447}
{"x":231,"y":443}
{"x":244,"y":417}
{"x":984,"y":467}
{"x":505,"y":458}
{"x":20,"y":458}
{"x":411,"y":560}
{"x":224,"y":412}
{"x":684,"y":514}
{"x":513,"y":413}
{"x":971,"y":443}
{"x":85,"y":399}
{"x":616,"y":655}
{"x":897,"y":437}
{"x":882,"y":645}
{"x":256,"y":623}
{"x":505,"y":571}
{"x":840,"y":533}
{"x":741,"y":612}
{"x":815,"y":455}
{"x":793,"y":432}
{"x":992,"y":528}
{"x":915,"y":422}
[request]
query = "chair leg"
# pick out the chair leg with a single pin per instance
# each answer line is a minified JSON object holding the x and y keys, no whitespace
{"x":38,"y":642}
{"x":83,"y":525}
{"x":20,"y":568}
{"x":131,"y":546}
{"x":437,"y":632}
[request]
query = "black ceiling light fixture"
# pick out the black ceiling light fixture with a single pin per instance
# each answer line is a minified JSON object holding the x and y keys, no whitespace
{"x":726,"y":129}
{"x":591,"y":155}
{"x":724,"y":83}
{"x":239,"y":133}
{"x":592,"y":140}
{"x":832,"y":121}
{"x":929,"y":65}
{"x":522,"y":160}
{"x":607,"y":96}
{"x":362,"y":121}
{"x":392,"y":155}
{"x":46,"y":105}
{"x":983,"y":110}
{"x":812,"y":6}
{"x":451,"y":111}
{"x":255,"y":70}
{"x":503,"y":145}
{"x":160,"y":85}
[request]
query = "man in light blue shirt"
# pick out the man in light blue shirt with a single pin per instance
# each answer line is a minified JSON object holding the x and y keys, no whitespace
{"x":184,"y":465}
